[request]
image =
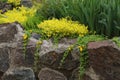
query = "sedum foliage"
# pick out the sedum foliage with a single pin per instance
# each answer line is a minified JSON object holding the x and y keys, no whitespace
{"x":62,"y":27}
{"x":14,"y":2}
{"x":20,"y":14}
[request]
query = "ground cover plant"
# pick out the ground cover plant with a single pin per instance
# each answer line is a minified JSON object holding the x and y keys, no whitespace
{"x":14,"y":2}
{"x":62,"y":28}
{"x":23,"y":15}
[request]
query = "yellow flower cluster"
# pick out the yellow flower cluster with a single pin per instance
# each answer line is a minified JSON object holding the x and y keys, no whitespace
{"x":81,"y":48}
{"x":14,"y":2}
{"x":39,"y":42}
{"x":62,"y":27}
{"x":70,"y":47}
{"x":25,"y":36}
{"x":17,"y":14}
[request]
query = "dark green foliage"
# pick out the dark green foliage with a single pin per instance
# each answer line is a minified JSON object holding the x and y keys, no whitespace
{"x":3,"y":0}
{"x":32,"y":22}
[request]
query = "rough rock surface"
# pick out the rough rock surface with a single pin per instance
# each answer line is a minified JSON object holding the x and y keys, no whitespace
{"x":49,"y":74}
{"x":4,"y":59}
{"x":26,"y":3}
{"x":104,"y":58}
{"x":7,"y":32}
{"x":75,"y":74}
{"x":51,"y":55}
{"x":89,"y":75}
{"x":5,"y":6}
{"x":20,"y":73}
{"x":7,"y":36}
{"x":1,"y":74}
{"x":11,"y":47}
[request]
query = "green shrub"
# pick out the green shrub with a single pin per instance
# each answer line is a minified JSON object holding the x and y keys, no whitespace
{"x":102,"y":16}
{"x":32,"y":22}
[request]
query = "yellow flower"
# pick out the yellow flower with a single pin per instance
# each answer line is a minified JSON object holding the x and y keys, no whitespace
{"x":30,"y":31}
{"x":20,"y":14}
{"x":70,"y":47}
{"x":25,"y":36}
{"x":0,"y":11}
{"x":15,"y":2}
{"x":39,"y":42}
{"x":64,"y":26}
{"x":81,"y":35}
{"x":80,"y":48}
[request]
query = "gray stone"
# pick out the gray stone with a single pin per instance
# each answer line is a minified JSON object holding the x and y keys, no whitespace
{"x":12,"y":53}
{"x":36,"y":36}
{"x":24,"y":57}
{"x":11,"y":47}
{"x":20,"y":73}
{"x":26,"y":3}
{"x":1,"y":74}
{"x":51,"y":55}
{"x":8,"y":34}
{"x":4,"y":59}
{"x":30,"y":52}
{"x":89,"y":74}
{"x":49,"y":74}
{"x":75,"y":74}
{"x":5,"y":7}
{"x":104,"y":58}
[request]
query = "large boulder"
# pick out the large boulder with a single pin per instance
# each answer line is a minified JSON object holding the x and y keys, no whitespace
{"x":52,"y":54}
{"x":49,"y":74}
{"x":8,"y":34}
{"x":104,"y":58}
{"x":12,"y":53}
{"x":20,"y":73}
